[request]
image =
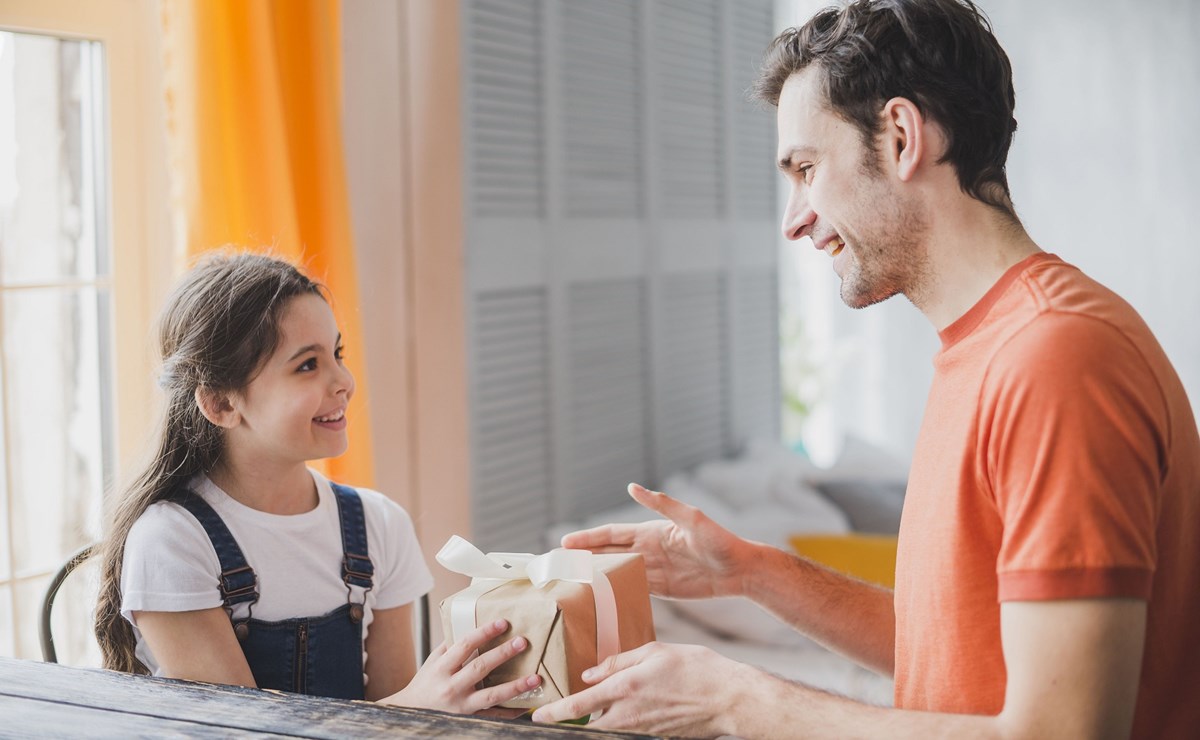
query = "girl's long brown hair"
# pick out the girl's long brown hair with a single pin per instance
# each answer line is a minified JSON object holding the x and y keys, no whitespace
{"x":219,"y":325}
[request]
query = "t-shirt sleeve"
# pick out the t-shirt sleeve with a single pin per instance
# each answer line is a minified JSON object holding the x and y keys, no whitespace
{"x":169,"y":564}
{"x":402,"y":577}
{"x":1075,"y":452}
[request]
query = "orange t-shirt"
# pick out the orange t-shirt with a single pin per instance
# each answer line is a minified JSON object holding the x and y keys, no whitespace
{"x":1058,"y":459}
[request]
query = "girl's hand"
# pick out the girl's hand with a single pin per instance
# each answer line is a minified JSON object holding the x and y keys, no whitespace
{"x":446,"y":684}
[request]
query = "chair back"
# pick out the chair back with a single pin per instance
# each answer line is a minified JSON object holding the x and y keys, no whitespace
{"x":49,"y":654}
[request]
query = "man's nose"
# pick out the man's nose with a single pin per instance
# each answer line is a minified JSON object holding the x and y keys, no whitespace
{"x":798,"y":218}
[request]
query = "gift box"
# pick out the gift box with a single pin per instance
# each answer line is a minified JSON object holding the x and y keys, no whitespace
{"x":575,"y":608}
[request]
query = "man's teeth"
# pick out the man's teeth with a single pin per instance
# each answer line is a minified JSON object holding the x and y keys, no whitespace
{"x":838,"y":245}
{"x":332,"y":417}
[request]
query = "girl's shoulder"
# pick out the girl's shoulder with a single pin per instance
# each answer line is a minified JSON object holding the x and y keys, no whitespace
{"x":166,"y":526}
{"x":164,"y":515}
{"x":376,"y":506}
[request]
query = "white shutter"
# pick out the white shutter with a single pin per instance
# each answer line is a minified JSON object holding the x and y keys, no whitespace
{"x":753,"y":178}
{"x":600,"y":115}
{"x":510,"y":420}
{"x":689,"y":136}
{"x":505,"y":123}
{"x":690,"y":397}
{"x":620,"y":292}
{"x":608,"y":404}
{"x":756,"y":396}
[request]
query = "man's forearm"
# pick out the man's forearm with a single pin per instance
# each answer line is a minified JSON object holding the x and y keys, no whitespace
{"x":846,"y":615}
{"x":774,"y":707}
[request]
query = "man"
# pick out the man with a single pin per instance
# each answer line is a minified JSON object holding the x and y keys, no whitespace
{"x":1049,"y":555}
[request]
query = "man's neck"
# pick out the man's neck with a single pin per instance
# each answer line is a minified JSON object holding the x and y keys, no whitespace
{"x":971,"y":246}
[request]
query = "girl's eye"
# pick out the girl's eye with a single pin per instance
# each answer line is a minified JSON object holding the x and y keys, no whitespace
{"x":309,"y":364}
{"x":339,"y":353}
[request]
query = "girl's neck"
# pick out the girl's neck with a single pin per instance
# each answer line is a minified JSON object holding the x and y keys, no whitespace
{"x":272,"y":489}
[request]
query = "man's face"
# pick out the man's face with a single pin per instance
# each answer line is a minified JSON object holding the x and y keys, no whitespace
{"x":846,"y":199}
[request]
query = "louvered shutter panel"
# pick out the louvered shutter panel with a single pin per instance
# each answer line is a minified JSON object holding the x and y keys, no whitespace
{"x":505,"y":124}
{"x":755,"y":392}
{"x":753,"y":179}
{"x":600,"y":114}
{"x":689,"y":134}
{"x":510,"y":415}
{"x":608,"y":404}
{"x":690,"y":400}
{"x":620,"y":293}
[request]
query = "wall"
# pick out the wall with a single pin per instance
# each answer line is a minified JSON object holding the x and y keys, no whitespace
{"x":1102,"y":173}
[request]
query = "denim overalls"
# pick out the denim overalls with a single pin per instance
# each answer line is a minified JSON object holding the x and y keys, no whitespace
{"x":307,"y":655}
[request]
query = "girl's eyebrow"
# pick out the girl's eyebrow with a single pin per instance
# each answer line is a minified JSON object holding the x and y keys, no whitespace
{"x":313,"y":348}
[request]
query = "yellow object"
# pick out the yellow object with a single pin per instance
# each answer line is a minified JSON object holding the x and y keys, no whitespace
{"x":254,"y":113}
{"x":866,"y":556}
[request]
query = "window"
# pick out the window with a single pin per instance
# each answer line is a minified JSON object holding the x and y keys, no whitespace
{"x":86,"y":255}
{"x":55,"y":347}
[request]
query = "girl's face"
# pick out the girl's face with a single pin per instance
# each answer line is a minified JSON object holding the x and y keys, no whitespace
{"x":294,"y":410}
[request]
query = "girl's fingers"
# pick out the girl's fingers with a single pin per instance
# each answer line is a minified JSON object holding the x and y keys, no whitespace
{"x":478,"y":669}
{"x":460,"y":652}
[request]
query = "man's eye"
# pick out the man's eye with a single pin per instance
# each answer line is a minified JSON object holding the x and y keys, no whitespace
{"x":806,"y":172}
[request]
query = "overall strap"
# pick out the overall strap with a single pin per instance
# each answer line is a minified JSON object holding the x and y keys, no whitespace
{"x":238,"y":583}
{"x":357,"y":569}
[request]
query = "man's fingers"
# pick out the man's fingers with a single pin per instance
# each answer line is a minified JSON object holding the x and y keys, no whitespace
{"x":579,"y":704}
{"x":616,"y":663}
{"x":493,"y":695}
{"x":604,"y":536}
{"x":674,"y":510}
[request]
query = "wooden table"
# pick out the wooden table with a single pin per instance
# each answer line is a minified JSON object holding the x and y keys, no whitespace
{"x":49,"y":700}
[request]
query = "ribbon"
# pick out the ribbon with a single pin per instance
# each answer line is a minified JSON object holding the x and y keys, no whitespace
{"x":490,"y":571}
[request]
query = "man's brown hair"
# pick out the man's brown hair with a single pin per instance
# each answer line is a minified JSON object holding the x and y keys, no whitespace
{"x":940,"y":54}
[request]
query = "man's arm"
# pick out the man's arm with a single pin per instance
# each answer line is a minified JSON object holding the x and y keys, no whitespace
{"x":848,"y":616}
{"x":689,"y":556}
{"x":1073,"y":670}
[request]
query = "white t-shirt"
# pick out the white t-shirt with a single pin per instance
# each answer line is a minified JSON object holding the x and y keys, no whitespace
{"x":170,"y":564}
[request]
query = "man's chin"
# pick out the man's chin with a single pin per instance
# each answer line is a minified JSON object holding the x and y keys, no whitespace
{"x":855,"y":296}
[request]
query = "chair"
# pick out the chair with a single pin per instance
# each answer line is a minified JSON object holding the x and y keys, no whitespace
{"x":48,"y":653}
{"x":423,"y":623}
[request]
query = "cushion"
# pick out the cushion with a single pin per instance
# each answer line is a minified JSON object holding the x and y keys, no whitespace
{"x":868,"y":557}
{"x":872,"y":506}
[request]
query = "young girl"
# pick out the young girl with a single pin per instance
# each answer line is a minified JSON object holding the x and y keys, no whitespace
{"x":229,"y":560}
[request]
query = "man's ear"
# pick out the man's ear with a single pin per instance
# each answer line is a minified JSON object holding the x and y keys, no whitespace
{"x":906,"y":137}
{"x":217,"y":407}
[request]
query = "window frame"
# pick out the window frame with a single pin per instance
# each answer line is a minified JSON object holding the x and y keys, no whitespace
{"x":143,"y":253}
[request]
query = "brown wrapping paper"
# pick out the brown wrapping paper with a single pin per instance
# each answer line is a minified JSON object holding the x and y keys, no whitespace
{"x":559,"y":621}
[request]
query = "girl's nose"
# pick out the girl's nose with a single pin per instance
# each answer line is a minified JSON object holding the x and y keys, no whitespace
{"x":343,"y":381}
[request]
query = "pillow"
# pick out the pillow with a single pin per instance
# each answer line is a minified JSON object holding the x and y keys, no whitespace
{"x":862,"y":460}
{"x":808,"y":509}
{"x":737,"y":482}
{"x":872,"y":506}
{"x":738,"y":619}
{"x":868,"y":557}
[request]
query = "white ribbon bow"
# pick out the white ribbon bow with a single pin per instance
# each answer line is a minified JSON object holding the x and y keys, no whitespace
{"x":493,"y":570}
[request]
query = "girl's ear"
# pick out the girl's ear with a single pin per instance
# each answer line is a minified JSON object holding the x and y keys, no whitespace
{"x":217,"y":407}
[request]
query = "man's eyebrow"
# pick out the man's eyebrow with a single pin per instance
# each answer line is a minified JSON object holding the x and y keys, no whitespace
{"x":787,"y":161}
{"x":313,"y":348}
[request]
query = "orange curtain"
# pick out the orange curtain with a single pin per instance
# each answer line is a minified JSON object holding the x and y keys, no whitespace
{"x":254,"y":110}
